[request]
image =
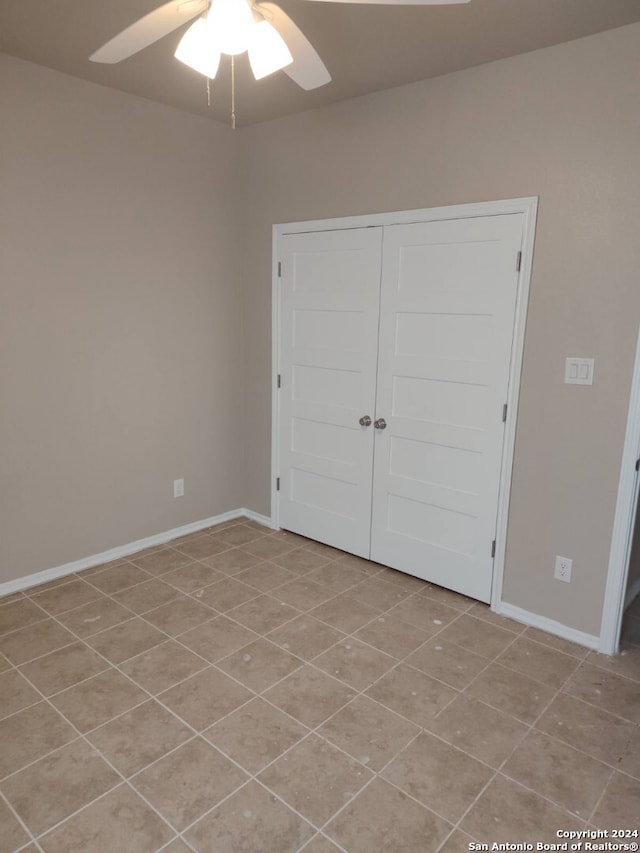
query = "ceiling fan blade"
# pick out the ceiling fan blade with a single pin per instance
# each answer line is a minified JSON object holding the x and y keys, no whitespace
{"x":148,"y":30}
{"x":400,"y":2}
{"x":307,"y":69}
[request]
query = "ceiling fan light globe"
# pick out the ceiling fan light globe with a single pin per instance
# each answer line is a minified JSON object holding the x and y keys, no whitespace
{"x":231,"y":25}
{"x":268,"y":51}
{"x":196,"y":50}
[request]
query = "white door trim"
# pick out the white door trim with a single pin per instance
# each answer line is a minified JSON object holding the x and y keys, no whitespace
{"x":526,"y":206}
{"x":613,"y":607}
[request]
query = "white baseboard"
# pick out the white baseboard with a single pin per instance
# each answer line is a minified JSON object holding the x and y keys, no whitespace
{"x":534,"y":620}
{"x":26,"y":582}
{"x":632,"y":592}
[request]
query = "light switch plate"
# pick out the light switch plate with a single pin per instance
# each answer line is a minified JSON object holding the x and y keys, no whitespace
{"x":578,"y":371}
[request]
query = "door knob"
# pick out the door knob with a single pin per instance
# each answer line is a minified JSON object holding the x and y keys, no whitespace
{"x":380,"y":424}
{"x":365,"y":420}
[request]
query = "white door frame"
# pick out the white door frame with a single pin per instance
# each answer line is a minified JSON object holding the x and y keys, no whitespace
{"x":613,"y":608}
{"x":526,"y":206}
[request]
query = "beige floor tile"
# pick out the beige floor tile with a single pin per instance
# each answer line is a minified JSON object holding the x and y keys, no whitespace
{"x":255,"y":735}
{"x":11,"y":598}
{"x":447,"y":662}
{"x":345,"y":613}
{"x":180,"y":616}
{"x":598,"y":733}
{"x":101,"y":567}
{"x":392,"y":635}
{"x":120,"y":821}
{"x":147,"y":596}
{"x":43,"y":587}
{"x":336,"y":576}
{"x":412,"y":694}
{"x":381,"y":818}
{"x":15,"y":693}
{"x":263,"y":614}
{"x":316,"y":779}
{"x":95,"y":617}
{"x":31,"y":734}
{"x":367,"y":566}
{"x":66,"y":597}
{"x":233,"y":561}
{"x":511,"y":692}
{"x":441,"y":777}
{"x":192,"y":577}
{"x":626,"y":663}
{"x":606,"y":690}
{"x":19,"y":614}
{"x":204,"y":698}
{"x":188,"y":782}
{"x":539,"y":662}
{"x":619,"y":808}
{"x":630,"y":761}
{"x":320,"y":844}
{"x":138,"y":737}
{"x":378,"y":594}
{"x":457,"y":842}
{"x":252,"y":819}
{"x":13,"y":834}
{"x":177,"y":846}
{"x":304,"y":594}
{"x":118,"y":578}
{"x":557,"y":643}
{"x":309,"y":695}
{"x":163,"y":666}
{"x":99,"y":699}
{"x":217,"y":638}
{"x":425,"y":613}
{"x":4,"y":663}
{"x":127,"y":640}
{"x":355,"y":663}
{"x":265,"y":576}
{"x":227,"y":594}
{"x":35,"y":640}
{"x":289,"y":537}
{"x":408,"y":582}
{"x":474,"y":727}
{"x":238,"y":535}
{"x":268,"y":547}
{"x":55,"y":787}
{"x":166,"y":559}
{"x":367,"y":731}
{"x":259,"y":665}
{"x":484,"y":612}
{"x":477,"y":636}
{"x":507,"y":811}
{"x":558,"y":772}
{"x":63,"y":668}
{"x":301,"y":561}
{"x":330,"y":553}
{"x":448,"y":597}
{"x":305,"y":636}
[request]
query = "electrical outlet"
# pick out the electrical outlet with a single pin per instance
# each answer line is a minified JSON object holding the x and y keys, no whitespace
{"x":178,"y":488}
{"x":563,"y":569}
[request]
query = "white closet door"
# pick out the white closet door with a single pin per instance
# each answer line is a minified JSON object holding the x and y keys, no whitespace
{"x":329,"y":307}
{"x":446,"y":327}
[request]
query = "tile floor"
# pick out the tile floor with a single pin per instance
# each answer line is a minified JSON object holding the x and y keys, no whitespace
{"x":245,"y":690}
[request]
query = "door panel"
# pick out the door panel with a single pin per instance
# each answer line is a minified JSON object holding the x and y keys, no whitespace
{"x":446,"y":325}
{"x":329,"y":307}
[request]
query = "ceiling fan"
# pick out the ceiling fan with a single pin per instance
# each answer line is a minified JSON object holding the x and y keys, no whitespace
{"x":271,"y":38}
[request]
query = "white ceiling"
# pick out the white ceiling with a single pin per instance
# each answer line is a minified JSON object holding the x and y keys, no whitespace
{"x":365,"y":48}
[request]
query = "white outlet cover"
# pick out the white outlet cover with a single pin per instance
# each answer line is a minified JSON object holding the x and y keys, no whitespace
{"x":178,"y":488}
{"x":563,"y":569}
{"x":578,"y":371}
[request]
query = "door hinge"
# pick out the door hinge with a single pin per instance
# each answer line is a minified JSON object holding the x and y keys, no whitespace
{"x":637,"y":464}
{"x":493,"y":549}
{"x":279,"y":380}
{"x":277,"y":484}
{"x":518,"y":261}
{"x":504,"y":414}
{"x":279,"y":269}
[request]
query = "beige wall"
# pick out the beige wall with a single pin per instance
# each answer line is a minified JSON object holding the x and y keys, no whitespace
{"x":562,"y":124}
{"x":119,"y":319}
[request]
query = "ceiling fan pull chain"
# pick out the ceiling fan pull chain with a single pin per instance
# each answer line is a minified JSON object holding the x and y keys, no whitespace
{"x":233,"y":92}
